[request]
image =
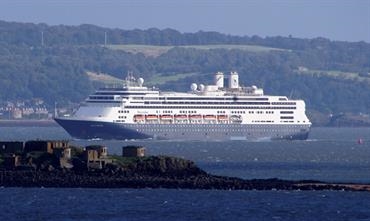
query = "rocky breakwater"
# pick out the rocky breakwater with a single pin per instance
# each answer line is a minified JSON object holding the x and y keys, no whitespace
{"x":146,"y":172}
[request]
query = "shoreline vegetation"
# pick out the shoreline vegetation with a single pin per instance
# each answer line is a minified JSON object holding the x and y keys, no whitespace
{"x":139,"y":180}
{"x":204,"y":181}
{"x":57,"y":164}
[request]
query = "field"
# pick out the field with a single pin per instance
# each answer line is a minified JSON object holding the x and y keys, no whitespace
{"x":155,"y":51}
{"x":350,"y":76}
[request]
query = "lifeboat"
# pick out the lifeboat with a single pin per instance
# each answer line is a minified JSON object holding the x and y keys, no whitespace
{"x":209,"y":117}
{"x":138,"y":117}
{"x":181,"y":117}
{"x":195,"y":117}
{"x":151,"y":117}
{"x":222,"y":117}
{"x":166,"y":117}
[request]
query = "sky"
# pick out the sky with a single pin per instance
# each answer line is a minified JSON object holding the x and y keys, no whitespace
{"x":343,"y":20}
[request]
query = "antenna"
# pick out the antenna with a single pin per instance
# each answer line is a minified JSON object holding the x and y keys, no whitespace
{"x":105,"y":38}
{"x":42,"y":38}
{"x":55,"y":110}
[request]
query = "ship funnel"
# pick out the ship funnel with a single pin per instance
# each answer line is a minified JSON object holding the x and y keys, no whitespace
{"x":219,"y":79}
{"x":234,"y":80}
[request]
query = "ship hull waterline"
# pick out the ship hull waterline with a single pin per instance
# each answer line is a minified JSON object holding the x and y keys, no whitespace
{"x":85,"y":129}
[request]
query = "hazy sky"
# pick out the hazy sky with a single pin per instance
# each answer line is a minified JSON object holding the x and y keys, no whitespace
{"x":347,"y":20}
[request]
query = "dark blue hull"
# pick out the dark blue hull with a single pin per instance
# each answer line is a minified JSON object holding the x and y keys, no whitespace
{"x":119,"y":131}
{"x":102,"y":130}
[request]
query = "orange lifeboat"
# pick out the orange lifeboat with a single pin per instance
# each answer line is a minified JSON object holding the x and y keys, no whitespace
{"x":166,"y":117}
{"x":138,"y":117}
{"x":209,"y":117}
{"x":181,"y":117}
{"x":151,"y":117}
{"x":222,"y":117}
{"x":195,"y":117}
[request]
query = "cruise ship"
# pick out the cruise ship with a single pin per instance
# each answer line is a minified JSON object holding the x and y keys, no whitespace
{"x":222,"y":111}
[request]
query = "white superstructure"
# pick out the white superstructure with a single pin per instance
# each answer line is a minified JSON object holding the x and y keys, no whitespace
{"x":211,"y":112}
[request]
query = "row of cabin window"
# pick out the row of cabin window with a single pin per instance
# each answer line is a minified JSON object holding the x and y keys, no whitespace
{"x":113,"y":101}
{"x":263,"y":121}
{"x":208,"y":107}
{"x":201,"y":98}
{"x":286,"y":117}
{"x":218,"y":112}
{"x":222,"y":130}
{"x":238,"y":112}
{"x":212,"y":102}
{"x":208,"y":102}
{"x":286,"y":112}
{"x":101,"y":97}
{"x":188,"y":112}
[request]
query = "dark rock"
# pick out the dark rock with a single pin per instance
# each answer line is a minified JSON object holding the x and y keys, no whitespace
{"x":150,"y":172}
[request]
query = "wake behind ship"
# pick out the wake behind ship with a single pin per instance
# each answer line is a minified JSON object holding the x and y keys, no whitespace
{"x":212,"y":112}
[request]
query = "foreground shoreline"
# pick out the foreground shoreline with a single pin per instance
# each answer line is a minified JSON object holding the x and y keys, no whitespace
{"x":202,"y":181}
{"x":57,"y":164}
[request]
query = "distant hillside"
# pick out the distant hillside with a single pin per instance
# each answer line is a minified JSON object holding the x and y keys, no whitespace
{"x":156,"y":50}
{"x":331,"y":76}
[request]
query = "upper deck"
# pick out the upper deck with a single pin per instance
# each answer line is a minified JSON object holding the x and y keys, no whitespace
{"x":133,"y":91}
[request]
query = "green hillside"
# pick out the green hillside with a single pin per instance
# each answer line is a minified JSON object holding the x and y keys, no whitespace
{"x":331,"y":76}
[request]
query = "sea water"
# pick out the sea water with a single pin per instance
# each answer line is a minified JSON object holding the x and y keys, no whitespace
{"x":330,"y":154}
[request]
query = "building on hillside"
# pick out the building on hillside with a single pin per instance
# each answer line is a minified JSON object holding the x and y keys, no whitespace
{"x":133,"y":151}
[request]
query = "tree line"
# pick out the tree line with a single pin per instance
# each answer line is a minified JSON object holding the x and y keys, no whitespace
{"x":55,"y":71}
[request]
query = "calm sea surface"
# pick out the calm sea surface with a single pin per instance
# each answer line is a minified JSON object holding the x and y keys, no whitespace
{"x":330,"y":154}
